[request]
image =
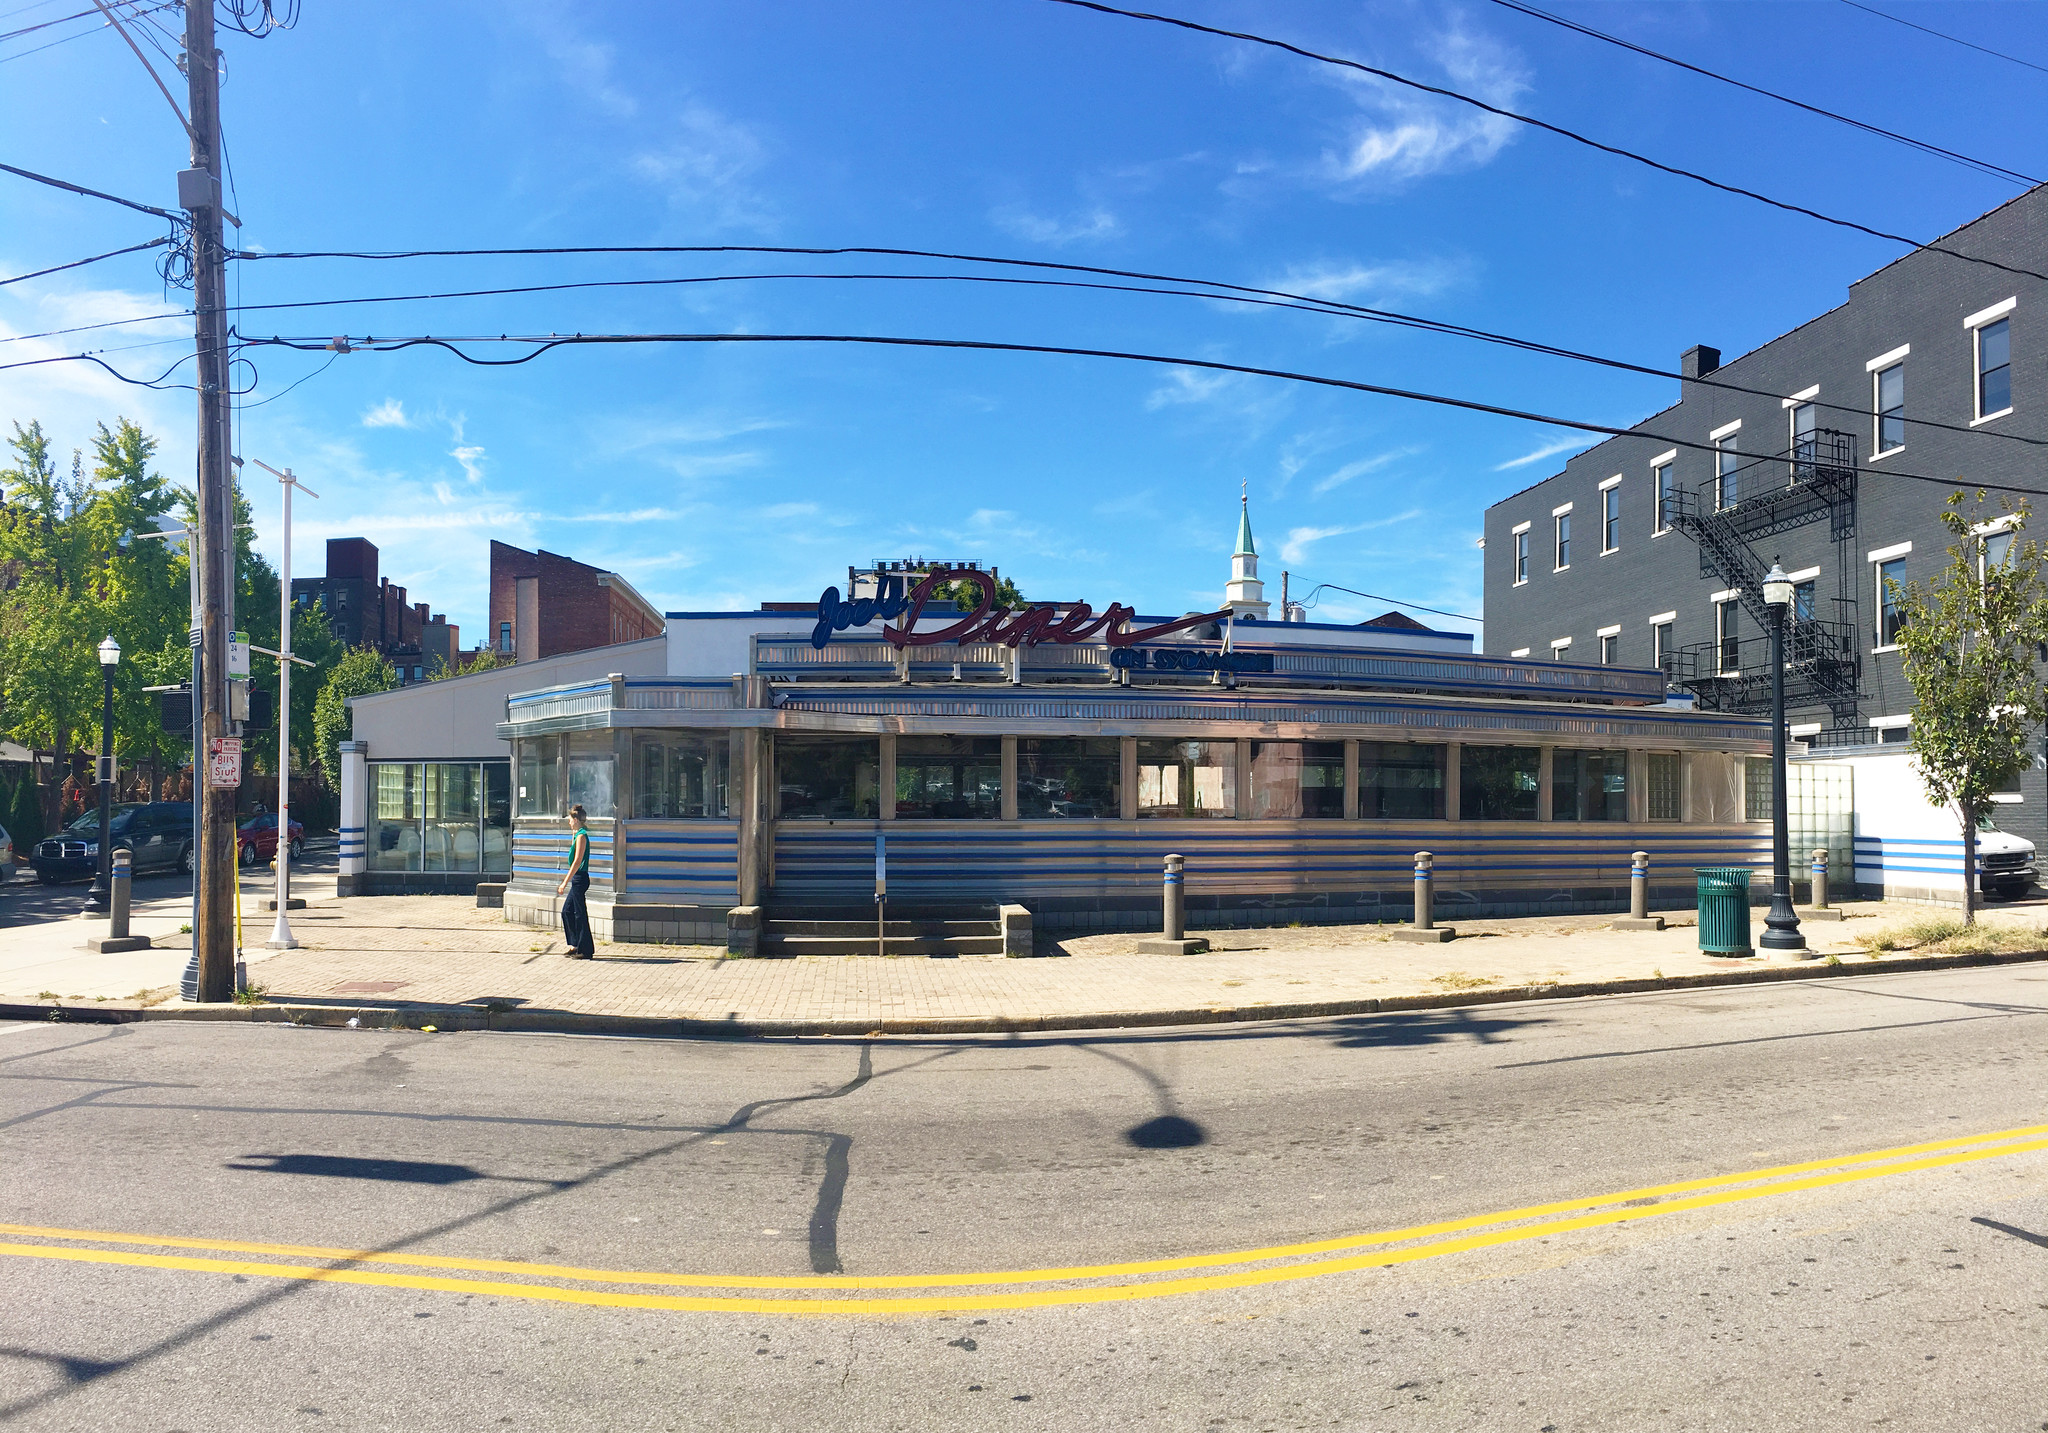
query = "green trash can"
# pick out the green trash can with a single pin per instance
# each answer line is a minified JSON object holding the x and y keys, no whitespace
{"x":1724,"y":910}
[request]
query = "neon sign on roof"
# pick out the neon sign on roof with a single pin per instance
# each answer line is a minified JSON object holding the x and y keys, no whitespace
{"x":1027,"y":627}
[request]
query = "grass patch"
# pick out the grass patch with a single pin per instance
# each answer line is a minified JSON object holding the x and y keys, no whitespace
{"x":1946,"y":935}
{"x":1459,"y":980}
{"x":48,"y":995}
{"x":250,"y":995}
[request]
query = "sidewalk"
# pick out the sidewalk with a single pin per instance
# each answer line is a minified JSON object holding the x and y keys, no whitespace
{"x":438,"y":959}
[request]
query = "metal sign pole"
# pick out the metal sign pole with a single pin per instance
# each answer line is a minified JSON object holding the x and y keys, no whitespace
{"x":281,"y":933}
{"x":881,"y":894}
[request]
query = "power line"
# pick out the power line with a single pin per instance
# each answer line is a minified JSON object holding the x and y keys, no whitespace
{"x":90,"y":193}
{"x":81,"y":263}
{"x":1310,"y":601}
{"x":1953,"y":40}
{"x":547,"y":343}
{"x":89,"y":327}
{"x":1240,"y":293}
{"x":1548,"y":128}
{"x":1982,"y":165}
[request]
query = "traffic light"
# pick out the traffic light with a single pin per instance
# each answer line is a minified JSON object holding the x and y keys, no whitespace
{"x":262,"y":710}
{"x":175,"y":711}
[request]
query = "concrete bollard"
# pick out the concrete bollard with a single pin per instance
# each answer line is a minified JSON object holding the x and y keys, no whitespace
{"x":1173,"y":939}
{"x":1425,"y":931}
{"x":1639,"y":917}
{"x":1821,"y":911}
{"x":117,"y":937}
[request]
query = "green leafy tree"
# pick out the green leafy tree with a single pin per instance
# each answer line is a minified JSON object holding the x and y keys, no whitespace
{"x":1968,"y":642}
{"x":483,"y":660}
{"x":359,"y":671}
{"x":966,"y":594}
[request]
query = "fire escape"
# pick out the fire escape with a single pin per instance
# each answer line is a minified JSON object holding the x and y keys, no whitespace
{"x":1821,"y":662}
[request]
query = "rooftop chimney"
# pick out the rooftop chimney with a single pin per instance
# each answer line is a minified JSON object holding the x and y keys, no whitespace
{"x":1699,"y":360}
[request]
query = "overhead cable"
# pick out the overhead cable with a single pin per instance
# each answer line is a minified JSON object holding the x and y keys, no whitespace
{"x":89,"y":193}
{"x":1939,"y":35}
{"x":1548,"y":128}
{"x":1238,"y":293}
{"x":1983,"y":165}
{"x":81,"y":263}
{"x":547,"y":343}
{"x":1310,"y":601}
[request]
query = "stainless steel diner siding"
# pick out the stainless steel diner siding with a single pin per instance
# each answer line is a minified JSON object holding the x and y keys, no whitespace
{"x":682,"y":862}
{"x":540,"y":854}
{"x":834,"y":861}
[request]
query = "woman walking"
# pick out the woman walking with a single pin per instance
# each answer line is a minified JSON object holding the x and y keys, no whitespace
{"x":575,"y":914}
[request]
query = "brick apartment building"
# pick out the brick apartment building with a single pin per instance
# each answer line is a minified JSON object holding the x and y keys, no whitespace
{"x":367,"y":610}
{"x":544,"y":604}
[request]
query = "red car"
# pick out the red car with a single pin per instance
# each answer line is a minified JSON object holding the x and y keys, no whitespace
{"x":256,"y":841}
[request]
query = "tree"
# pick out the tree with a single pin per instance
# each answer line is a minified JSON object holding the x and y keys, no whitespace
{"x":1968,"y":641}
{"x":360,"y":671}
{"x":966,"y":594}
{"x":484,"y":659}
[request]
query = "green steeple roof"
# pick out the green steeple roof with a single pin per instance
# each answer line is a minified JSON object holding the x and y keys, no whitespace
{"x":1244,"y":528}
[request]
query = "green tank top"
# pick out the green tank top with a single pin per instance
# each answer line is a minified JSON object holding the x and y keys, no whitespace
{"x":580,"y":863}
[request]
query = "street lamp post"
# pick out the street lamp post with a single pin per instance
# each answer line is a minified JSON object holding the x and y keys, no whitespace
{"x":190,"y":537}
{"x":1781,"y":926}
{"x":281,"y":937}
{"x":100,"y":896}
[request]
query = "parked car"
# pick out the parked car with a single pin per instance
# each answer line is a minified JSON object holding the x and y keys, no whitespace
{"x":6,"y":855}
{"x":157,"y":835}
{"x":2005,"y":860}
{"x":256,"y":841}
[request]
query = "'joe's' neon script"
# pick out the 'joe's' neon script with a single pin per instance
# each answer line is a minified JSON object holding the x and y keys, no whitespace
{"x":1041,"y":622}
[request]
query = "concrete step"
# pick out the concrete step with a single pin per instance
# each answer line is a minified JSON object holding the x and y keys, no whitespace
{"x":778,"y":925}
{"x":775,"y":944}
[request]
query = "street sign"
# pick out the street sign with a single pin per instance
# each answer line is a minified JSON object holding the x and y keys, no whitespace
{"x":238,"y":654}
{"x":881,"y":867}
{"x":223,"y":762}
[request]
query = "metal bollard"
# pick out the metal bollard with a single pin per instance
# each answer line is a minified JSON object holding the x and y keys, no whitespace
{"x":1820,"y":878}
{"x":1639,"y":917}
{"x":117,"y":937}
{"x":1425,"y":930}
{"x":1173,"y":938}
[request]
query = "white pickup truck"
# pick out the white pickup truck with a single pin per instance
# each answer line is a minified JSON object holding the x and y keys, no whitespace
{"x":2005,"y":862}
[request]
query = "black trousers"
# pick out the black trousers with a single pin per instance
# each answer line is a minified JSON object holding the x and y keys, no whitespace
{"x":576,"y":916}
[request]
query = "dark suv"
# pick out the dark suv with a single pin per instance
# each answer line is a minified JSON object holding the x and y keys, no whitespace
{"x":158,"y":836}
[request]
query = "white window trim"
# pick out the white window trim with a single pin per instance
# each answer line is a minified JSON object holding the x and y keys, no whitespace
{"x":1614,"y":631}
{"x":1558,"y":644}
{"x":1662,"y":458}
{"x":2005,"y":412}
{"x":1804,"y":728}
{"x":1886,"y":723}
{"x":1996,"y":525}
{"x":2008,"y":798}
{"x":1520,"y":527}
{"x":1561,"y":511}
{"x":1886,"y":360}
{"x":1613,"y":482}
{"x":1519,"y":652}
{"x":1661,"y":618}
{"x":1990,"y":315}
{"x":1558,"y":539}
{"x":1804,"y":395}
{"x":1886,"y":554}
{"x":1802,"y":574}
{"x":1606,"y":488}
{"x":1726,"y":594}
{"x":1724,"y":431}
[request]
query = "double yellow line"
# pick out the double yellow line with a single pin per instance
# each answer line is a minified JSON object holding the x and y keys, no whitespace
{"x":1076,"y":1284}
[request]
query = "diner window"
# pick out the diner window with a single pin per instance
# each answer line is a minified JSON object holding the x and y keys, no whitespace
{"x":1662,"y":647}
{"x":1564,"y":540}
{"x":539,"y":787}
{"x":1891,"y":579}
{"x":949,"y":778}
{"x":1756,"y":788}
{"x":1728,"y":635}
{"x":1297,"y":780}
{"x":1071,"y":777}
{"x":1667,"y":495}
{"x":1610,"y":519}
{"x":440,"y":816}
{"x":1187,"y":778}
{"x":1400,"y":781}
{"x":829,"y":777}
{"x":393,"y":840}
{"x":1727,"y":472}
{"x":677,"y":776}
{"x":1588,"y":785}
{"x":592,"y":767}
{"x":1994,"y":369}
{"x":1521,"y":557}
{"x":1498,"y":783}
{"x":1889,"y":397}
{"x":1661,"y":779}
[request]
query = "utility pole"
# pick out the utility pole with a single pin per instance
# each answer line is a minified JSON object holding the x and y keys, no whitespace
{"x":281,"y":933}
{"x":199,"y":192}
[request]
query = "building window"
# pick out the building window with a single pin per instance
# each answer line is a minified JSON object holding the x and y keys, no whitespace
{"x":1297,"y":780}
{"x":1661,"y":646}
{"x":1070,"y":777}
{"x":1891,"y":577}
{"x":1559,"y":647}
{"x":1589,"y":786}
{"x":1610,"y":649}
{"x":1399,"y":781}
{"x":505,"y":638}
{"x":1896,"y":734}
{"x":1994,"y":549}
{"x":1610,"y":519}
{"x":1994,"y":368}
{"x":1564,"y":540}
{"x":1661,"y":768}
{"x":443,"y":816}
{"x":949,"y":778}
{"x":1521,"y":557}
{"x":1187,"y":778}
{"x":1727,"y":472}
{"x":829,"y":776}
{"x":1728,"y":635}
{"x":1498,"y":783}
{"x":1756,"y":788}
{"x":1890,"y":390}
{"x":591,"y":769}
{"x":1802,"y":600}
{"x":679,"y":777}
{"x":1804,"y":448}
{"x":1667,"y":495}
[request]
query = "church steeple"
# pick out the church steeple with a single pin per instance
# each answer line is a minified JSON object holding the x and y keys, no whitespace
{"x":1245,"y":594}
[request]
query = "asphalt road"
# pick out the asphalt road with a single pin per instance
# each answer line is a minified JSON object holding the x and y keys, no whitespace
{"x":627,"y":1234}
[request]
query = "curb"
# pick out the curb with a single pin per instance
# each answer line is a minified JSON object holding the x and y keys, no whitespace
{"x":401,"y":1015}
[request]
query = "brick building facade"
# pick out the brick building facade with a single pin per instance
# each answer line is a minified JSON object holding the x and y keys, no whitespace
{"x":365,"y":609}
{"x":544,"y":604}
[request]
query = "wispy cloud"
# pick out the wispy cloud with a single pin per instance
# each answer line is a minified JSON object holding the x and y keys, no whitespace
{"x":472,"y":459}
{"x":1190,"y":385}
{"x":1361,"y":467}
{"x":1548,"y":450}
{"x":1093,"y":224}
{"x":388,"y":414}
{"x":706,"y":167}
{"x":1348,"y":281}
{"x":1407,"y":135}
{"x":1299,"y":539}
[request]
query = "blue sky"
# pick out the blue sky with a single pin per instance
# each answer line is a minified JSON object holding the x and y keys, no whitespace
{"x":716,"y":476}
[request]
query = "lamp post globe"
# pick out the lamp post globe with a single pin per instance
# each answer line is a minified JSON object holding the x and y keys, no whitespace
{"x":1781,"y":926}
{"x":100,"y":897}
